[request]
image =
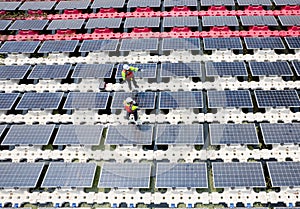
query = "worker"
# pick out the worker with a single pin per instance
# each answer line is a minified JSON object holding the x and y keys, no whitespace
{"x":128,"y":75}
{"x":131,"y":107}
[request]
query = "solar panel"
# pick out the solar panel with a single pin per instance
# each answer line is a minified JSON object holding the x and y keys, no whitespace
{"x":108,"y":4}
{"x":65,"y":24}
{"x":143,"y":3}
{"x":78,"y":135}
{"x":219,"y":21}
{"x":289,"y":20}
{"x":172,"y":3}
{"x":2,"y":128}
{"x":280,"y":133}
{"x":180,"y":99}
{"x":226,"y":175}
{"x":181,"y":44}
{"x":139,"y":44}
{"x":72,"y":5}
{"x":286,"y":2}
{"x":9,"y":6}
{"x":44,"y":100}
{"x":254,"y":2}
{"x":226,"y":69}
{"x":296,"y":65}
{"x":293,"y":42}
{"x":179,"y":134}
{"x":145,"y":100}
{"x":270,"y":68}
{"x":66,"y":175}
{"x":129,"y":135}
{"x":93,"y":71}
{"x":125,"y":175}
{"x":264,"y":43}
{"x":187,"y":21}
{"x":284,"y":174}
{"x":4,"y":23}
{"x":7,"y":100}
{"x":28,"y":25}
{"x":192,"y":69}
{"x":144,"y":22}
{"x":40,"y":5}
{"x":19,"y":46}
{"x":103,"y":23}
{"x":11,"y":177}
{"x":222,"y":134}
{"x":28,"y":135}
{"x":58,"y":46}
{"x":98,"y":45}
{"x":181,"y":175}
{"x":13,"y":71}
{"x":149,"y":70}
{"x":258,"y":20}
{"x":277,"y":98}
{"x":217,"y":3}
{"x":50,"y":71}
{"x":222,"y":43}
{"x":228,"y":98}
{"x":86,"y":100}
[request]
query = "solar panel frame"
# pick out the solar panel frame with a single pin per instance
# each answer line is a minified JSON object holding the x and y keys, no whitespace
{"x":125,"y":175}
{"x":179,"y":134}
{"x":238,"y":174}
{"x":149,"y":70}
{"x":50,"y":71}
{"x":9,"y":6}
{"x":277,"y":98}
{"x":280,"y":133}
{"x":217,"y":3}
{"x":293,"y":42}
{"x":181,"y":175}
{"x":68,"y":175}
{"x":226,"y":69}
{"x":175,"y":3}
{"x":270,"y":68}
{"x":184,"y":21}
{"x":222,"y":43}
{"x":223,"y":134}
{"x":219,"y":21}
{"x":229,"y":98}
{"x":41,"y":5}
{"x":192,"y":69}
{"x":13,"y":71}
{"x":7,"y":100}
{"x":296,"y":66}
{"x":103,"y":23}
{"x":289,"y":20}
{"x":180,"y":44}
{"x":107,"y":4}
{"x":4,"y":24}
{"x":258,"y":20}
{"x":142,"y":22}
{"x":65,"y":24}
{"x":145,"y":100}
{"x":129,"y":135}
{"x":286,"y":2}
{"x":180,"y":99}
{"x":62,"y":5}
{"x":99,"y":45}
{"x":11,"y":177}
{"x":93,"y":71}
{"x":79,"y":135}
{"x":284,"y":174}
{"x":254,"y":2}
{"x":143,"y":3}
{"x":28,"y":25}
{"x":58,"y":46}
{"x":19,"y":46}
{"x":146,"y":44}
{"x":264,"y":42}
{"x":28,"y":135}
{"x":86,"y":100}
{"x":46,"y":100}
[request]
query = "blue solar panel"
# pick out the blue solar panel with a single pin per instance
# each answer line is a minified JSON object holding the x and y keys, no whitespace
{"x":9,"y":6}
{"x":226,"y":69}
{"x":145,"y":100}
{"x":192,"y":69}
{"x":293,"y":42}
{"x":228,"y":98}
{"x":188,"y":21}
{"x":286,"y":2}
{"x":39,"y":101}
{"x":98,"y":45}
{"x":270,"y":68}
{"x":181,"y":44}
{"x":222,"y":43}
{"x":65,"y":24}
{"x":103,"y":23}
{"x":217,"y":3}
{"x":289,"y":20}
{"x":148,"y":70}
{"x":219,"y":21}
{"x":172,"y":3}
{"x":296,"y":65}
{"x":7,"y":100}
{"x":4,"y":23}
{"x":13,"y":71}
{"x":86,"y":100}
{"x":284,"y":174}
{"x":108,"y":4}
{"x":258,"y":20}
{"x":254,"y":2}
{"x":180,"y":99}
{"x":50,"y":71}
{"x":58,"y":46}
{"x":264,"y":43}
{"x":139,"y":44}
{"x":72,"y":5}
{"x":19,"y":46}
{"x":143,"y":3}
{"x":277,"y":98}
{"x":2,"y":129}
{"x":93,"y":71}
{"x":28,"y":25}
{"x":37,"y":5}
{"x":143,"y":22}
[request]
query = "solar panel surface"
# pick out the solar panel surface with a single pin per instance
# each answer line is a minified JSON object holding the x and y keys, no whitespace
{"x":258,"y":20}
{"x":9,"y":6}
{"x":264,"y":43}
{"x":181,"y":44}
{"x":37,"y":5}
{"x":284,"y":174}
{"x":293,"y":42}
{"x":7,"y":100}
{"x":192,"y":69}
{"x":277,"y":98}
{"x":93,"y":71}
{"x":4,"y":23}
{"x":270,"y":68}
{"x":50,"y":71}
{"x":58,"y":46}
{"x":229,"y":98}
{"x":143,"y":22}
{"x":286,"y":2}
{"x":65,"y":24}
{"x":172,"y":3}
{"x":145,"y":100}
{"x":226,"y":69}
{"x":98,"y":45}
{"x":148,"y":70}
{"x":217,"y":2}
{"x":296,"y":66}
{"x":86,"y":100}
{"x":180,"y":99}
{"x":254,"y":2}
{"x":72,"y":5}
{"x":13,"y":71}
{"x":222,"y":43}
{"x":143,"y":3}
{"x":28,"y":25}
{"x":188,"y":21}
{"x":139,"y":44}
{"x":107,"y":4}
{"x":219,"y":21}
{"x":289,"y":20}
{"x":103,"y":23}
{"x":19,"y":46}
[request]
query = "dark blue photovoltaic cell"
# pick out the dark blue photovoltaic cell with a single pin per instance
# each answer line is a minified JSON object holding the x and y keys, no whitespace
{"x":181,"y":44}
{"x":192,"y":69}
{"x":290,"y":20}
{"x":93,"y":71}
{"x":270,"y":68}
{"x":19,"y":46}
{"x":254,"y":2}
{"x":217,"y":3}
{"x":58,"y":46}
{"x":145,"y":100}
{"x":296,"y":66}
{"x":139,"y":44}
{"x":264,"y":43}
{"x":108,"y":4}
{"x":98,"y":45}
{"x":50,"y":71}
{"x":13,"y":71}
{"x":7,"y":100}
{"x":277,"y":98}
{"x":229,"y":98}
{"x":181,"y":175}
{"x":28,"y":25}
{"x":172,"y":3}
{"x":226,"y":69}
{"x":180,"y":99}
{"x":219,"y":21}
{"x":222,"y":43}
{"x":148,"y":70}
{"x":284,"y":174}
{"x":4,"y":23}
{"x":293,"y":42}
{"x":86,"y":100}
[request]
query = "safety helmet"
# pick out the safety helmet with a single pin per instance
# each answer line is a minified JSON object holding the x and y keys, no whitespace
{"x":126,"y":67}
{"x":129,"y":100}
